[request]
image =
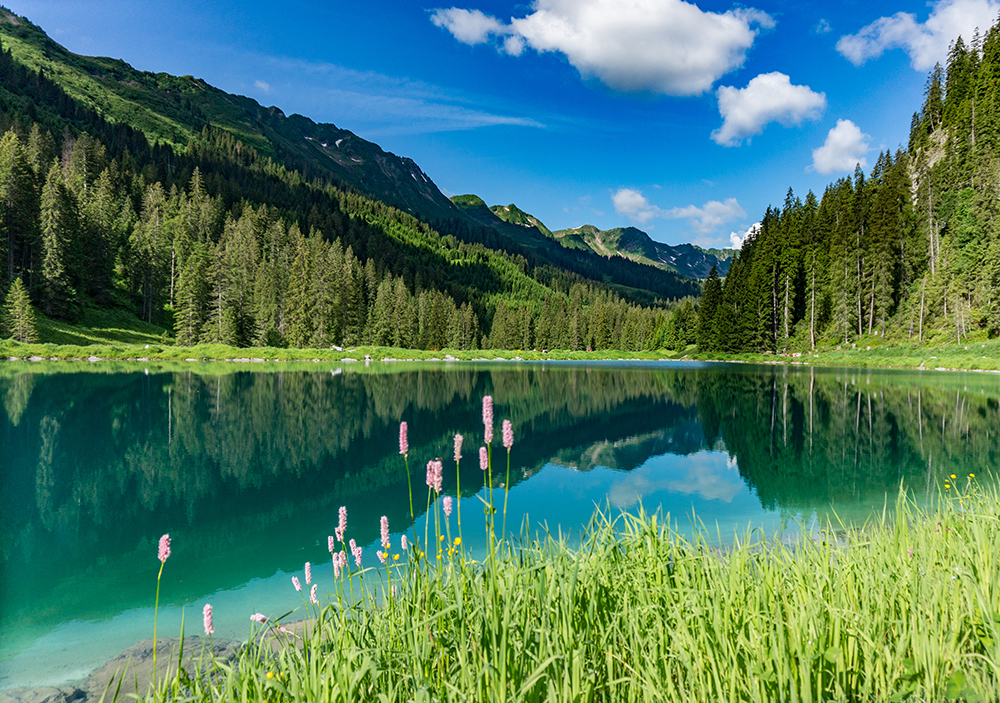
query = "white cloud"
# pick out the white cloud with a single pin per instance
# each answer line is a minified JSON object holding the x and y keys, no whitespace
{"x":633,"y":205}
{"x":706,"y":219}
{"x":770,"y":97}
{"x":709,"y":217}
{"x":927,"y":42}
{"x":822,"y":27}
{"x":845,"y":147}
{"x":736,"y":239}
{"x":662,"y":46}
{"x":261,"y":85}
{"x":468,"y":26}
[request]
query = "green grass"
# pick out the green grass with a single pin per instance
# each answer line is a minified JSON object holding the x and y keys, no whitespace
{"x":903,"y":608}
{"x":119,"y":334}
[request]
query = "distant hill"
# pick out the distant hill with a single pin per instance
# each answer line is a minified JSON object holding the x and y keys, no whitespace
{"x":685,"y":259}
{"x":516,"y":216}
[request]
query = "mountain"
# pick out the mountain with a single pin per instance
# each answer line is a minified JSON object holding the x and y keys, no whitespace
{"x":225,"y":222}
{"x":516,"y":216}
{"x":628,"y":242}
{"x":175,"y":109}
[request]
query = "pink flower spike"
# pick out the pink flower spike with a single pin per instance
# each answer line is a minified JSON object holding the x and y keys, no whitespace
{"x":207,"y":615}
{"x":484,"y":459}
{"x":384,"y":527}
{"x":404,"y":445}
{"x":295,"y":582}
{"x":435,"y":475}
{"x":164,"y":551}
{"x":508,"y":435}
{"x":258,"y":617}
{"x":331,"y":544}
{"x":309,"y":573}
{"x":312,"y":595}
{"x":342,"y":525}
{"x":403,"y":544}
{"x":447,"y":506}
{"x":381,"y":556}
{"x":357,"y":557}
{"x":488,"y":419}
{"x":458,"y":447}
{"x":354,"y":546}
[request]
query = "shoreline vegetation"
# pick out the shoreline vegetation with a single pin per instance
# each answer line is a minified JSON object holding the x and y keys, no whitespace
{"x":900,"y":609}
{"x":972,"y":356}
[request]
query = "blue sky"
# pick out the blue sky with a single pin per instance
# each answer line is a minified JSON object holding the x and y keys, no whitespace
{"x":686,"y":120}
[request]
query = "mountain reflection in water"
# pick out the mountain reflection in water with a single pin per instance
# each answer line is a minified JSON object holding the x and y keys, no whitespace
{"x":246,"y":469}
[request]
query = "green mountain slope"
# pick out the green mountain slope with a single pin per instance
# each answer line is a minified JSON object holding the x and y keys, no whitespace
{"x":628,"y":242}
{"x":516,"y":216}
{"x":175,"y":109}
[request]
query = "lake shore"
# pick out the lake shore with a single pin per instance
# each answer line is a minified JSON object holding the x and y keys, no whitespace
{"x":975,"y":356}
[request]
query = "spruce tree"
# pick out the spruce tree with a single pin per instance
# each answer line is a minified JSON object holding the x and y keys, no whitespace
{"x":18,"y":321}
{"x":711,"y":298}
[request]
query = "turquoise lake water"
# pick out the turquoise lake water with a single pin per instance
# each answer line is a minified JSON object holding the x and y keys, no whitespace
{"x":246,"y":467}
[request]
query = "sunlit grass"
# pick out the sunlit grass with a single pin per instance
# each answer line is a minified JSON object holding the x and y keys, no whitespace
{"x":903,"y":608}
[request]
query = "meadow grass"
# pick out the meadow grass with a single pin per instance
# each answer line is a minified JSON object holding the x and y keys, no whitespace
{"x":905,"y":607}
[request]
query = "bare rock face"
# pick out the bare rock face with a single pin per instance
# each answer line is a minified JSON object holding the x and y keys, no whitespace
{"x":131,"y":672}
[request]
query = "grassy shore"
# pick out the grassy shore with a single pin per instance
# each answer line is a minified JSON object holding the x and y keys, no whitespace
{"x":119,"y":335}
{"x":903,"y":609}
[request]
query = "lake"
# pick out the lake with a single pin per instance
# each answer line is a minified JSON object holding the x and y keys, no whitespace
{"x":246,"y":466}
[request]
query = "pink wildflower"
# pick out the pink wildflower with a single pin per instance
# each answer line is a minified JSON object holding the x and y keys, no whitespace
{"x":164,"y":551}
{"x":403,"y":544}
{"x":207,"y":615}
{"x":484,"y":459}
{"x":295,"y":582}
{"x":488,"y":418}
{"x":258,"y":617}
{"x":435,"y":475}
{"x":381,"y":555}
{"x":354,"y":546}
{"x":357,"y":557}
{"x":384,"y":526}
{"x":342,"y":525}
{"x":508,"y":435}
{"x":404,"y":445}
{"x":309,"y":573}
{"x":336,"y":565}
{"x":447,"y":506}
{"x":312,"y":595}
{"x":458,"y":447}
{"x":331,"y":544}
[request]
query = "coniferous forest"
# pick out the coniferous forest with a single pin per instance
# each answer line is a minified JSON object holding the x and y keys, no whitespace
{"x":909,"y":251}
{"x":218,"y":243}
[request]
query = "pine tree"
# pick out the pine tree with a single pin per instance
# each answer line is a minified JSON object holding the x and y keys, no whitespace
{"x":58,"y":220}
{"x":18,"y":321}
{"x":711,"y":298}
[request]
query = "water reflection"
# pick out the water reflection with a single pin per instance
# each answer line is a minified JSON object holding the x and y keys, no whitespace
{"x":246,"y":469}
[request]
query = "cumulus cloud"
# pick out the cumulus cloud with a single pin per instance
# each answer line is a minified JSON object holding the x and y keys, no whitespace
{"x":927,"y":42}
{"x":845,"y":147}
{"x":822,"y":27}
{"x":633,"y":205}
{"x":706,"y":219}
{"x":468,"y":26}
{"x":770,"y":97}
{"x":663,"y":46}
{"x":736,"y":239}
{"x":709,"y":217}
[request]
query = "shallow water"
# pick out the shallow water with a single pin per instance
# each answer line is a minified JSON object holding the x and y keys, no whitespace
{"x":246,"y":469}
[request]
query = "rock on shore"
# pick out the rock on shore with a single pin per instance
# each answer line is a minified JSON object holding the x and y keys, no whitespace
{"x":133,"y":669}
